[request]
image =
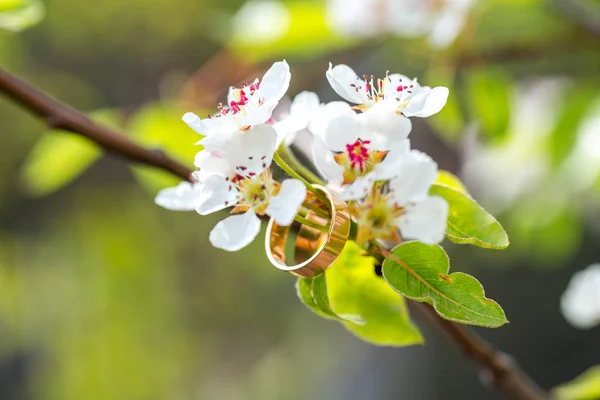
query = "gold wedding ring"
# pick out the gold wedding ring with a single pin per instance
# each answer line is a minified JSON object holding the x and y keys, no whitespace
{"x":315,"y":250}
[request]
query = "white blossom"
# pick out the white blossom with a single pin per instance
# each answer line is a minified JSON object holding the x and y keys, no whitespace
{"x":247,"y":185}
{"x":302,"y":108}
{"x":580,"y":303}
{"x":440,"y":20}
{"x":354,"y":150}
{"x":249,"y":105}
{"x":399,"y":93}
{"x":184,"y":197}
{"x":405,"y":205}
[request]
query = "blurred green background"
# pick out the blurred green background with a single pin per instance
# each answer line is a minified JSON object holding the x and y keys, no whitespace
{"x":104,"y":295}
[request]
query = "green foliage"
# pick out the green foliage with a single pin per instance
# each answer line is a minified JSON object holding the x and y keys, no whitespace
{"x":59,"y":157}
{"x":448,"y":123}
{"x":18,"y":15}
{"x":446,"y":178}
{"x":585,"y":387}
{"x":468,"y":222}
{"x":354,"y":289}
{"x":576,"y":105}
{"x":489,"y":95}
{"x":295,"y":36}
{"x":420,"y":272}
{"x":159,"y":126}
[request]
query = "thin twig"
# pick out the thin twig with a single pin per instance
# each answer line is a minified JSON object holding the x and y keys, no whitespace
{"x":505,"y":373}
{"x":61,"y":116}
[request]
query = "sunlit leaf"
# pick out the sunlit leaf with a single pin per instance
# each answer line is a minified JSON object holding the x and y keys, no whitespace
{"x":58,"y":157}
{"x":585,"y":387}
{"x":489,"y":91}
{"x":355,"y":289}
{"x":18,"y":15}
{"x":159,"y":126}
{"x":420,"y":272}
{"x":468,"y":222}
{"x":313,"y":293}
{"x":269,"y":29}
{"x":446,"y":178}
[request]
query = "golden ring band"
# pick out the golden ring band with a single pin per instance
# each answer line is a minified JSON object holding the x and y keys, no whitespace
{"x":315,"y":250}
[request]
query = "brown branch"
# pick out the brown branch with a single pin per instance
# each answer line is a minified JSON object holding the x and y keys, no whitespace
{"x":501,"y":369}
{"x":505,"y":374}
{"x":61,"y":116}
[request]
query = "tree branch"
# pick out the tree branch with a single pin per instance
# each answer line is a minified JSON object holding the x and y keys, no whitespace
{"x":61,"y":116}
{"x":505,"y":373}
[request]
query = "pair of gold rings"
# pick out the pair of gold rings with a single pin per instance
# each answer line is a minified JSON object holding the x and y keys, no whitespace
{"x":318,"y":242}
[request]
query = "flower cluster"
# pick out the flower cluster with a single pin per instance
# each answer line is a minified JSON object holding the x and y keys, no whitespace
{"x":362,"y":150}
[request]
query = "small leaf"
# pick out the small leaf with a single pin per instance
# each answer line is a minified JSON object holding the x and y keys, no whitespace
{"x":420,"y":272}
{"x":18,"y":15}
{"x":585,"y":387}
{"x":468,"y":222}
{"x":355,"y":289}
{"x":490,"y":100}
{"x":446,"y":178}
{"x":58,"y":157}
{"x":313,"y":293}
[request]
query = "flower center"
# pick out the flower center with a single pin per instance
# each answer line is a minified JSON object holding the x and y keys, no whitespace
{"x":374,"y":90}
{"x":256,"y":191}
{"x":376,"y":217}
{"x":358,"y":159}
{"x":240,"y":99}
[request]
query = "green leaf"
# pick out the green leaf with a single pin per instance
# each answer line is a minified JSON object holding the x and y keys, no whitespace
{"x":576,"y":105}
{"x":420,"y":272}
{"x":468,"y":222}
{"x":159,"y":126}
{"x":18,"y":15}
{"x":288,"y":32}
{"x":59,"y":157}
{"x":446,"y":178}
{"x":585,"y":387}
{"x":355,"y":289}
{"x":313,"y":293}
{"x":490,"y":91}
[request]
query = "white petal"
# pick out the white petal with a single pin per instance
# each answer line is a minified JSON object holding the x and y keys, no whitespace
{"x":257,"y":114}
{"x":218,"y":193}
{"x":304,"y":106}
{"x":427,"y":103}
{"x":341,"y":77}
{"x":252,"y":151}
{"x":392,"y":163}
{"x":323,"y":116}
{"x":275,"y":83}
{"x":343,"y":131}
{"x":284,"y":207}
{"x":425,"y":221}
{"x":211,"y":163}
{"x":183,"y":197}
{"x":580,"y":303}
{"x":235,"y":232}
{"x":383,"y":120}
{"x":359,"y":188}
{"x":323,"y":159}
{"x":416,"y":172}
{"x":208,"y":126}
{"x":390,"y":89}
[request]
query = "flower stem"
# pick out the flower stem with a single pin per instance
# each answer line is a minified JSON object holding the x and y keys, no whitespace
{"x":311,"y":224}
{"x":291,"y":172}
{"x":289,"y":157}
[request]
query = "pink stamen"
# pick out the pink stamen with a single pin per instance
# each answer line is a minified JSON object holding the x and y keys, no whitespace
{"x":358,"y":154}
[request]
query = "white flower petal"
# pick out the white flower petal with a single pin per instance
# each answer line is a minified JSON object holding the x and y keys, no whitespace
{"x":359,"y":188}
{"x":416,"y":173}
{"x":303,"y":107}
{"x":284,"y":207}
{"x":218,"y":193}
{"x":341,"y":77}
{"x":383,"y":120}
{"x":323,"y":159}
{"x":235,"y":232}
{"x":343,"y":131}
{"x":257,"y":114}
{"x":275,"y":83}
{"x":252,"y":151}
{"x":320,"y":121}
{"x":426,"y":103}
{"x":183,"y":197}
{"x":392,"y":163}
{"x":425,"y":221}
{"x":580,"y":303}
{"x":211,"y":163}
{"x":390,"y":90}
